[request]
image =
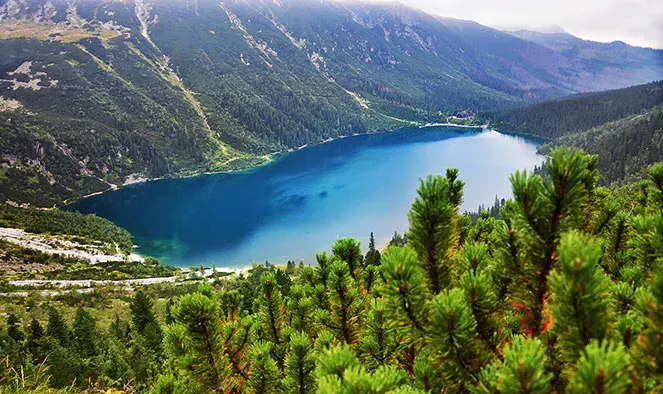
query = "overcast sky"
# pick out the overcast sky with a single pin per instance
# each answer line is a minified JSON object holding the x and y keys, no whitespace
{"x":636,"y":22}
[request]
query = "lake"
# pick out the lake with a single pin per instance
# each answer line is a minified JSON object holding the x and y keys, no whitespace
{"x":304,"y":200}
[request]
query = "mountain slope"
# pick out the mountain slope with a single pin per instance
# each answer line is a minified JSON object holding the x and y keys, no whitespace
{"x":626,"y":147}
{"x":96,"y":93}
{"x":555,"y":118}
{"x":600,"y":65}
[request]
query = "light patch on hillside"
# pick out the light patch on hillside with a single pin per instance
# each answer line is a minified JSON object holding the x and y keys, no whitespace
{"x":36,"y":81}
{"x":360,"y":100}
{"x":8,"y":104}
{"x":298,"y":43}
{"x":250,"y":40}
{"x":48,"y":31}
{"x":58,"y":245}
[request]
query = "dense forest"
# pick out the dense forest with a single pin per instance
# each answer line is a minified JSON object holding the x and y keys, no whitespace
{"x":575,"y":113}
{"x":563,"y":292}
{"x":625,"y":147}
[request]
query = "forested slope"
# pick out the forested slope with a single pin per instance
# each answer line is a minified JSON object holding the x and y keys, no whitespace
{"x":626,"y":147}
{"x":555,"y":118}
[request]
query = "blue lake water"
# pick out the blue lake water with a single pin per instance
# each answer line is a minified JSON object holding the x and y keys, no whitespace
{"x":300,"y":203}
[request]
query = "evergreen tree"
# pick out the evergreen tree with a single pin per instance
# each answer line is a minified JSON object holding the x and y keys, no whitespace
{"x":300,"y":365}
{"x":271,"y":314}
{"x":345,"y":303}
{"x":373,"y":255}
{"x":34,"y":342}
{"x":265,"y":375}
{"x":432,"y":232}
{"x":580,"y":295}
{"x":14,"y":330}
{"x":348,"y":251}
{"x":85,"y":336}
{"x":57,"y":327}
{"x":194,"y":339}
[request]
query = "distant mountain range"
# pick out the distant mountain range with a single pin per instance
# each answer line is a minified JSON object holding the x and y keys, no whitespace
{"x":94,"y":93}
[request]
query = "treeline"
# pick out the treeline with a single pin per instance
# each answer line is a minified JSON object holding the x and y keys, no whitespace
{"x":88,"y":228}
{"x":555,"y":118}
{"x":562,"y":293}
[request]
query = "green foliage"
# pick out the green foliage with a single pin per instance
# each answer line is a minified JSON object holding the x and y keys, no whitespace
{"x":265,"y":376}
{"x":562,"y":293}
{"x":373,"y":255}
{"x":87,"y":228}
{"x":579,"y":293}
{"x":348,"y":251}
{"x":580,"y":112}
{"x":433,"y":225}
{"x":300,"y":365}
{"x":602,"y":369}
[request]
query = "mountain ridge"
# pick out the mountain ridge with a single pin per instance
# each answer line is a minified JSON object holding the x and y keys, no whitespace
{"x":98,"y":92}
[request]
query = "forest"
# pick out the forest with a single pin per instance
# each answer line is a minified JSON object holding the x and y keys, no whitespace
{"x":562,"y":292}
{"x":576,"y":113}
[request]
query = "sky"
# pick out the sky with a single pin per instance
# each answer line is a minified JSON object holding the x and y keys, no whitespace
{"x":636,"y":22}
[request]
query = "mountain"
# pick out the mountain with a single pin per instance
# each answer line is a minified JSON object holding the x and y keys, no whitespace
{"x":579,"y":112}
{"x":98,"y":93}
{"x":624,"y":127}
{"x":600,"y":65}
{"x":626,"y":147}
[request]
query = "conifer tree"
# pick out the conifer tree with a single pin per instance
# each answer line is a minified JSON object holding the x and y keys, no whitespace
{"x":378,"y":344}
{"x":271,"y":314}
{"x":345,"y":319}
{"x":432,"y":233}
{"x":602,"y":369}
{"x":14,"y":330}
{"x":265,"y":376}
{"x":545,"y":210}
{"x":373,"y":255}
{"x":57,"y":327}
{"x":348,"y":251}
{"x":34,"y":341}
{"x":194,"y":339}
{"x":85,"y":336}
{"x":580,"y":296}
{"x":300,"y":365}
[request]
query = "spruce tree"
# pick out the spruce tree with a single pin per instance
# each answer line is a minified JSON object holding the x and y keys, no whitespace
{"x":85,"y":335}
{"x":57,"y":327}
{"x":373,"y":255}
{"x":34,"y":341}
{"x":14,"y":330}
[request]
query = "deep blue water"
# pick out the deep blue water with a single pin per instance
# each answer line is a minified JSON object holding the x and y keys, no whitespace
{"x":299,"y":204}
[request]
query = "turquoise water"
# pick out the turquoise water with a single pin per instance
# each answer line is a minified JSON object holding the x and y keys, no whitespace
{"x":299,"y":204}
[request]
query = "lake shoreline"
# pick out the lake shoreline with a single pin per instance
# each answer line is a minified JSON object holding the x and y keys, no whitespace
{"x":137,"y":179}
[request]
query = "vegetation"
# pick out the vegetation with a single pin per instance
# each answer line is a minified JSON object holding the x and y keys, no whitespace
{"x":576,"y":113}
{"x":561,"y":293}
{"x":82,"y":228}
{"x":626,"y":147}
{"x":98,"y":93}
